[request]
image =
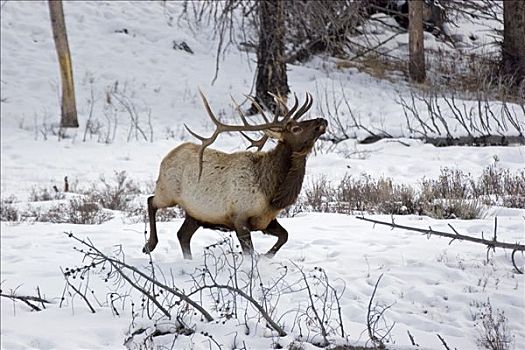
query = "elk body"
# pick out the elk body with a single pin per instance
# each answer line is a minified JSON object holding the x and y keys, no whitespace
{"x":242,"y":191}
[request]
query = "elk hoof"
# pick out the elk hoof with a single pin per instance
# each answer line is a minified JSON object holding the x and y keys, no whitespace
{"x":269,"y":255}
{"x":148,"y":248}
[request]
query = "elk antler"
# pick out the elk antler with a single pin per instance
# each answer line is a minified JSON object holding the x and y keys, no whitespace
{"x":274,"y":124}
{"x":262,"y":141}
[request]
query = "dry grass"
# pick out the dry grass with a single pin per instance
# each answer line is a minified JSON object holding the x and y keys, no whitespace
{"x":378,"y":66}
{"x":8,"y":212}
{"x":44,"y":194}
{"x":116,"y":194}
{"x":75,"y":211}
{"x":453,"y":194}
{"x":138,"y":213}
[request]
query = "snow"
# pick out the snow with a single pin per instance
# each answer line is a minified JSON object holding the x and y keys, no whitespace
{"x":436,"y":288}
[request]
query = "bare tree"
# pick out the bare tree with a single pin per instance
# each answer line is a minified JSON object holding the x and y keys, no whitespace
{"x":68,"y":106}
{"x":322,"y":27}
{"x":513,"y":63}
{"x":271,"y":60}
{"x":416,"y":65}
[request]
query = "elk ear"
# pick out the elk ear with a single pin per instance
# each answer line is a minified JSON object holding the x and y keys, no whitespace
{"x":273,"y":134}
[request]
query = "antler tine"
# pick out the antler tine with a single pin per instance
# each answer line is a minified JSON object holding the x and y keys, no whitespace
{"x":259,"y":108}
{"x":194,"y":134}
{"x":305,"y":107}
{"x":256,"y":143}
{"x":280,"y":101}
{"x":294,"y":108}
{"x":262,"y":141}
{"x":208,"y":109}
{"x":241,"y":114}
{"x":205,"y":142}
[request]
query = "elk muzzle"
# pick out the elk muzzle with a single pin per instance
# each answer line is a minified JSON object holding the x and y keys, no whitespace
{"x":321,"y":125}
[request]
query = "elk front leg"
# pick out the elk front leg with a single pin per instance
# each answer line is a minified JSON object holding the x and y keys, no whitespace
{"x":153,"y":239}
{"x":275,"y":229}
{"x":186,"y":231}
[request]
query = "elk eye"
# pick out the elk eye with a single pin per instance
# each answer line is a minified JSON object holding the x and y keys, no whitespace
{"x":296,"y":129}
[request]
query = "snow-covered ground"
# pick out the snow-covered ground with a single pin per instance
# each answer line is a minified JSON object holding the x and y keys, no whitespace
{"x":436,"y":288}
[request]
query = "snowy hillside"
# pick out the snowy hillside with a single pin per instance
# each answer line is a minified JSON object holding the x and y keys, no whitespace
{"x":129,"y":52}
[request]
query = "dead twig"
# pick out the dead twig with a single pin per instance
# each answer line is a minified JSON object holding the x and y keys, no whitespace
{"x":77,"y":291}
{"x":375,"y":314}
{"x":27,"y":299}
{"x":121,"y":266}
{"x":443,"y":341}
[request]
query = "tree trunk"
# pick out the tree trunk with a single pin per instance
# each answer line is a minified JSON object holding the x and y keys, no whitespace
{"x":271,"y":61}
{"x":513,"y":54}
{"x":416,"y":65}
{"x":68,"y":107}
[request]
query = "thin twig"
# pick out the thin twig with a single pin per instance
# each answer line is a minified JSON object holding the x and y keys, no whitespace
{"x":369,"y":318}
{"x":443,"y":342}
{"x":514,"y":262}
{"x":82,"y":295}
{"x":118,"y":265}
{"x":254,"y":302}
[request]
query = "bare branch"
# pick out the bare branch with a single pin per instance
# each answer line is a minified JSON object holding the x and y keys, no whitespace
{"x":490,"y":243}
{"x":27,"y":299}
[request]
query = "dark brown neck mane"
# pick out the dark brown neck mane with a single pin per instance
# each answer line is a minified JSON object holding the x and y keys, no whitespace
{"x":282,"y":173}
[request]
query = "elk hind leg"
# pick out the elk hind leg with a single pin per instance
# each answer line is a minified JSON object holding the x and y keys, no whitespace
{"x":153,"y":239}
{"x":186,"y":231}
{"x":275,"y":229}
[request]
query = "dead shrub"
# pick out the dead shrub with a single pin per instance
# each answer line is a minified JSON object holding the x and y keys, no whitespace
{"x":492,"y":328}
{"x":453,"y":195}
{"x":454,"y":209}
{"x":376,"y":195}
{"x":500,"y":183}
{"x":513,"y":201}
{"x":451,"y":183}
{"x":76,"y":211}
{"x":495,"y":186}
{"x":318,"y":193}
{"x":114,"y":195}
{"x":376,"y":65}
{"x":139,"y":213}
{"x":43,"y":195}
{"x":8,"y":212}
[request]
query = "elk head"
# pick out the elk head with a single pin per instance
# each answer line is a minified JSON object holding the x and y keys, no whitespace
{"x":300,"y":135}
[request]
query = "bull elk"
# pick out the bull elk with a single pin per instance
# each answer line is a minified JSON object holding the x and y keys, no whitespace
{"x":241,"y":191}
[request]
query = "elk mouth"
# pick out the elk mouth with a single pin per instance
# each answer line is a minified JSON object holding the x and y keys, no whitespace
{"x":321,"y":128}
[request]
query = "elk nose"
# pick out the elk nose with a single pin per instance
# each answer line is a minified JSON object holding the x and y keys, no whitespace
{"x":322,"y":127}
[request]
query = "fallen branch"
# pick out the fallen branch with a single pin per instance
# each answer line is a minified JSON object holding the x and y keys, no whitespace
{"x":119,"y":266}
{"x":490,"y":243}
{"x":472,"y":141}
{"x":27,"y":299}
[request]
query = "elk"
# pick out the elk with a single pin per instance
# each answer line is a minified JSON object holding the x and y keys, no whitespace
{"x":241,"y":191}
